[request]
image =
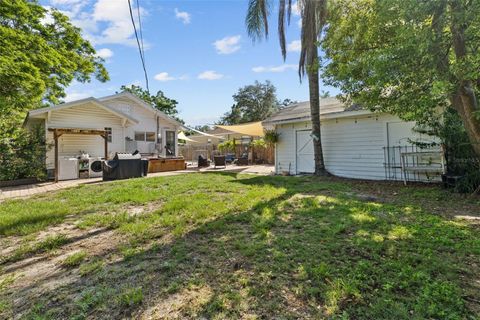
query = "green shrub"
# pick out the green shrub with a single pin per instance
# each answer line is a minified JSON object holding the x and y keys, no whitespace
{"x":271,"y":136}
{"x":22,"y":154}
{"x":227,"y":146}
{"x":259,"y":144}
{"x":460,"y":156}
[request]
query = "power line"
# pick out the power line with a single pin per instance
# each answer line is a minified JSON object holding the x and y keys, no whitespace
{"x":138,"y":44}
{"x":140,"y":28}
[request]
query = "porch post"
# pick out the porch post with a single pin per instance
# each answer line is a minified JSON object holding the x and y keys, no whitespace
{"x":105,"y":138}
{"x":55,"y":138}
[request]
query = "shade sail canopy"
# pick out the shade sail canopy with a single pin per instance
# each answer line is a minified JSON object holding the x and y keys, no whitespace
{"x":249,"y":129}
{"x":182,"y":136}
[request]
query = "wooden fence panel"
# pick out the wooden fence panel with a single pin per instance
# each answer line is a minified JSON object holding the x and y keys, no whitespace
{"x":259,"y":155}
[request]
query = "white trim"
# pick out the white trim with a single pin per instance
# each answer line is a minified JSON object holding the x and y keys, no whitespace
{"x":143,"y":104}
{"x":92,"y":100}
{"x":326,"y":116}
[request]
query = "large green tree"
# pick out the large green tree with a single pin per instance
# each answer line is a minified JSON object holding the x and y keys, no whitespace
{"x":159,"y":100}
{"x":313,"y":14}
{"x":254,"y":102}
{"x":41,"y":53}
{"x":408,"y":57}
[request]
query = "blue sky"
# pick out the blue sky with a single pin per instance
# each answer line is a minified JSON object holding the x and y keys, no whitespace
{"x":197,"y":52}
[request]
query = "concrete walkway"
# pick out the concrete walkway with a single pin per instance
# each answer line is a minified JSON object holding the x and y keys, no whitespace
{"x":37,"y":188}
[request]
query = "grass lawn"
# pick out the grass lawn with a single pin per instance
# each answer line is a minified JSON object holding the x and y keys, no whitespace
{"x":223,"y":246}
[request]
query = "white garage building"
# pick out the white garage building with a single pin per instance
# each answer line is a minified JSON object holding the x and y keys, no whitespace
{"x":357,"y":143}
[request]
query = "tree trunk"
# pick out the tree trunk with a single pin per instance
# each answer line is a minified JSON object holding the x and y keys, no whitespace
{"x":464,"y":100}
{"x":314,"y":90}
{"x":466,"y":106}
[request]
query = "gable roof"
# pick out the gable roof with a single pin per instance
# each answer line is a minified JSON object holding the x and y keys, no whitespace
{"x":147,"y":106}
{"x":301,"y":111}
{"x":94,"y":101}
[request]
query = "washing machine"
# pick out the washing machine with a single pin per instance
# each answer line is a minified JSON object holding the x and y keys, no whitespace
{"x":95,"y":167}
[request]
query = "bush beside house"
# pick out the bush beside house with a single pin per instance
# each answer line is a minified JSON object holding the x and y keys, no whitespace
{"x":23,"y":156}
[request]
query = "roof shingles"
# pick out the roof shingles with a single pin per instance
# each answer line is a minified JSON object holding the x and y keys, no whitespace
{"x":301,"y":111}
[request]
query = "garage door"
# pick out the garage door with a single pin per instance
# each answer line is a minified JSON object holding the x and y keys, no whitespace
{"x":304,"y":153}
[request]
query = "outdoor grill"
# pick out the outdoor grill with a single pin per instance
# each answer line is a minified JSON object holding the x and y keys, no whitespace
{"x":125,"y":166}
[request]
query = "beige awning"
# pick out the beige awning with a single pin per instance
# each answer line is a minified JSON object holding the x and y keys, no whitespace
{"x":254,"y":129}
{"x":182,"y":136}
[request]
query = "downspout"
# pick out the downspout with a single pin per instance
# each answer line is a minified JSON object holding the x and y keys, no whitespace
{"x":156,"y":137}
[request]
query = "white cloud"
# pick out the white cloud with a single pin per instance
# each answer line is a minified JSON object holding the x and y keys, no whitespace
{"x":294,"y":46}
{"x":106,"y":22}
{"x":295,"y":9}
{"x":210,"y":75}
{"x":227,"y":45}
{"x":299,"y":23}
{"x":116,"y":15}
{"x":183,"y":15}
{"x":71,"y":8}
{"x":165,"y":76}
{"x":105,"y":53}
{"x":64,"y":2}
{"x":282,"y":68}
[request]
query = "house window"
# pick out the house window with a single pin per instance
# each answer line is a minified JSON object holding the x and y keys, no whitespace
{"x":139,"y":136}
{"x":150,"y":136}
{"x":108,"y":131}
{"x":145,"y":136}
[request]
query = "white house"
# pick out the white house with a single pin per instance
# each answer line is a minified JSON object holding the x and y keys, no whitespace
{"x":127,"y":122}
{"x":357,"y":143}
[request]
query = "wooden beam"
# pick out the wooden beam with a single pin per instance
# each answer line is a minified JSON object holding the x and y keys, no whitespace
{"x":77,"y":131}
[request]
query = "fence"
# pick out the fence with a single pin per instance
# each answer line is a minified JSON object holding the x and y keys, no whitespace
{"x":258,"y":155}
{"x":413,"y":163}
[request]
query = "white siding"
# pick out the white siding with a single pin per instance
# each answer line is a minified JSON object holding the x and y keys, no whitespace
{"x":86,"y":116}
{"x":353,"y":147}
{"x":147,"y":121}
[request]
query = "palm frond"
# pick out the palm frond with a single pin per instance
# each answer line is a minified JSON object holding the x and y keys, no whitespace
{"x":281,"y":28}
{"x":257,"y":19}
{"x":289,"y":11}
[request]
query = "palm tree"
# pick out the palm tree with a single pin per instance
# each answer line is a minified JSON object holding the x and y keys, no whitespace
{"x":313,"y":13}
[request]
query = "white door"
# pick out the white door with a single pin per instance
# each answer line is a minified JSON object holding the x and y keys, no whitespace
{"x":304,"y":153}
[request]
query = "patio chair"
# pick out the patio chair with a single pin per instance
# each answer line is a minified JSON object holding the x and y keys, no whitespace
{"x":230,"y":157}
{"x":219,"y":161}
{"x":243,"y":160}
{"x":203,"y":162}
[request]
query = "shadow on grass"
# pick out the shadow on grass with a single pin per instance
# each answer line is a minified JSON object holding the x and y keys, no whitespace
{"x":313,"y":251}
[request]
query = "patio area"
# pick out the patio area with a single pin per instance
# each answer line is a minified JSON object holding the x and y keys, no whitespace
{"x":48,"y":186}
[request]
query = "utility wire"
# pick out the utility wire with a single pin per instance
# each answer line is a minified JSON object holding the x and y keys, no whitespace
{"x":140,"y":28}
{"x":139,"y":46}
